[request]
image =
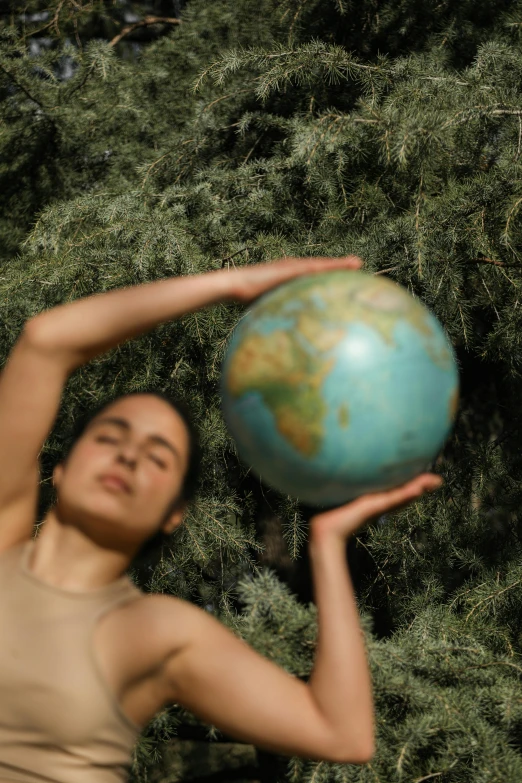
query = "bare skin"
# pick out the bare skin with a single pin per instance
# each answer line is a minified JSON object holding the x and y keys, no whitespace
{"x":154,"y":651}
{"x":128,"y":642}
{"x":134,"y":653}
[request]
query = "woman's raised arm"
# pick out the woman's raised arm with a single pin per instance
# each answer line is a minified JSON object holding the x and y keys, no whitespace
{"x":57,"y":341}
{"x":81,"y":330}
{"x":31,"y":385}
{"x":222,"y":680}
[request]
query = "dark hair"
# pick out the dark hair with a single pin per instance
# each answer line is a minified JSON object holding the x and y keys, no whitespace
{"x":153,"y":546}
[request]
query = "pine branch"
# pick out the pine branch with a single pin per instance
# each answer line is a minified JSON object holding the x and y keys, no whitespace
{"x":52,"y":23}
{"x":148,"y":20}
{"x":30,"y":96}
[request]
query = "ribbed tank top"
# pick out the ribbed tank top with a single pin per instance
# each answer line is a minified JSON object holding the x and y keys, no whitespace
{"x":59,"y":721}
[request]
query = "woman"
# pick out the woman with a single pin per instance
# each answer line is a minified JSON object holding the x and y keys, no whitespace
{"x":87,"y":659}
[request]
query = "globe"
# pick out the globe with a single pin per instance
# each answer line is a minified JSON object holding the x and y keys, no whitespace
{"x":338,"y":384}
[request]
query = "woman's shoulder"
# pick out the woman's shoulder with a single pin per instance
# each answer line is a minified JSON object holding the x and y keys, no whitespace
{"x":169,"y":620}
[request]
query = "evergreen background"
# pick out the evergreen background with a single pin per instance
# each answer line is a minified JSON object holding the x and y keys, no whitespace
{"x":249,"y":131}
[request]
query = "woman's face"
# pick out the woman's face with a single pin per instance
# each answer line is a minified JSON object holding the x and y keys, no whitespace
{"x":142,"y":440}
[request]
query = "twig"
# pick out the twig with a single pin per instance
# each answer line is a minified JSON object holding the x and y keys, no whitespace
{"x":383,"y":271}
{"x":143,"y":23}
{"x":484,"y":665}
{"x":54,"y":21}
{"x":388,"y":588}
{"x":435,"y":774}
{"x":252,"y":148}
{"x":224,"y":97}
{"x":417,"y":223}
{"x":492,"y":596}
{"x":510,"y":216}
{"x":514,"y":112}
{"x":227,"y":258}
{"x":485,"y":260}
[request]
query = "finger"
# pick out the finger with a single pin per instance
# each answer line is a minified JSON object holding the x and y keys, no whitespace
{"x":325,"y":262}
{"x":368,"y":506}
{"x":350,"y":262}
{"x":428,"y":481}
{"x":401,"y":496}
{"x":375,"y":505}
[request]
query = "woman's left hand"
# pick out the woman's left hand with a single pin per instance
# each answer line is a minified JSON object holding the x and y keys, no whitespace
{"x":343,"y":521}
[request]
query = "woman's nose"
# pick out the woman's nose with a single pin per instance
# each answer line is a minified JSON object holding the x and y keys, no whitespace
{"x":127,"y":454}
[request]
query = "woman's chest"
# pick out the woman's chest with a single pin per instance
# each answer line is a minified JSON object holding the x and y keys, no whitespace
{"x":74,"y":677}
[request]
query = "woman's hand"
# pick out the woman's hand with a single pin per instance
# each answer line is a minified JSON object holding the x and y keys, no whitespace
{"x":343,"y":521}
{"x":253,"y":280}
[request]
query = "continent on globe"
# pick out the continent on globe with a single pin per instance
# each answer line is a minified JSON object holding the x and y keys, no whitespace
{"x":289,"y":379}
{"x":322,"y":314}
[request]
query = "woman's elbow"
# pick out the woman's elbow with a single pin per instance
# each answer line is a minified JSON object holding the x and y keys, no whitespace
{"x":360,"y":755}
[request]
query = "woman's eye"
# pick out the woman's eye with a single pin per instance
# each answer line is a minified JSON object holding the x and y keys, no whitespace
{"x":106,"y":439}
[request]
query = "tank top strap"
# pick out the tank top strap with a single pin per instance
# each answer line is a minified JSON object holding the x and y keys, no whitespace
{"x":128,"y":594}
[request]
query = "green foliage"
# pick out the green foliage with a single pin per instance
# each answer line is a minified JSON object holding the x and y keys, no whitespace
{"x":253,"y":131}
{"x":425,"y":726}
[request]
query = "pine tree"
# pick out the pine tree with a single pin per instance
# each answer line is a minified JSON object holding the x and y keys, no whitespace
{"x":256,"y":130}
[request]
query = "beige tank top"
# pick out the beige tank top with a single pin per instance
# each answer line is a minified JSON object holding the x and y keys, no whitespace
{"x":59,"y":722}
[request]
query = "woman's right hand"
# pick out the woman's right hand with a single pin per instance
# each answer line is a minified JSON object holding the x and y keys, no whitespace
{"x":252,"y":280}
{"x":341,"y":522}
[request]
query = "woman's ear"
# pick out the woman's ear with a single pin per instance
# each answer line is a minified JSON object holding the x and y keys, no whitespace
{"x":57,"y":474}
{"x":175,"y":519}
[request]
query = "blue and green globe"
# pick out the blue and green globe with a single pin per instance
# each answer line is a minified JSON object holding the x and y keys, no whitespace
{"x":338,"y":384}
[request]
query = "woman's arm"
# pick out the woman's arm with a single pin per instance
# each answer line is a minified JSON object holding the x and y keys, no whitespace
{"x":83,"y":329}
{"x":222,"y":680}
{"x":56,"y":342}
{"x":226,"y":683}
{"x":340,"y":681}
